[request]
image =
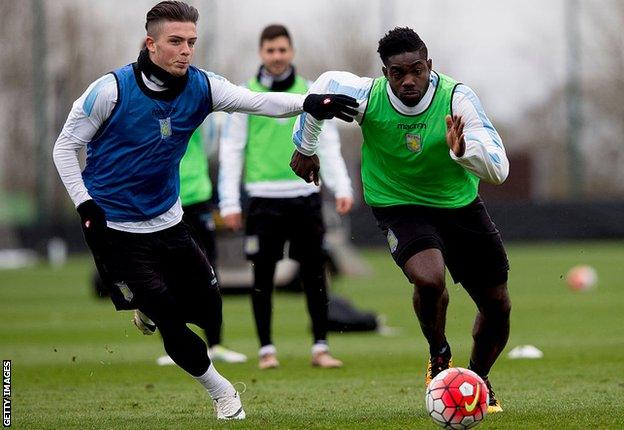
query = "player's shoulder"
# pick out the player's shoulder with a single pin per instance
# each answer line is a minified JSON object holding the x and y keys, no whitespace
{"x":340,"y":82}
{"x":465,"y":95}
{"x":345,"y":78}
{"x":104,"y":84}
{"x":102,"y":90}
{"x":212,"y":76}
{"x":460,"y":89}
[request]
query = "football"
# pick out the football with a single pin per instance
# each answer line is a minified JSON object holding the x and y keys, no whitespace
{"x":457,"y":398}
{"x":581,"y":278}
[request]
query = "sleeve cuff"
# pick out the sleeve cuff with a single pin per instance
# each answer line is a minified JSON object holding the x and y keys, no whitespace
{"x":229,"y":210}
{"x":343,"y":194}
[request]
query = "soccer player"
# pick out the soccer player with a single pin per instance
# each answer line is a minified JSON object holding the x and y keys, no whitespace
{"x":135,"y":124}
{"x":195,"y":196}
{"x":282,"y":206}
{"x":427,"y":144}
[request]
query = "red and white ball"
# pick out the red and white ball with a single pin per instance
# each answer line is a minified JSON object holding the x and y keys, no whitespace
{"x":581,"y":278}
{"x":457,"y":399}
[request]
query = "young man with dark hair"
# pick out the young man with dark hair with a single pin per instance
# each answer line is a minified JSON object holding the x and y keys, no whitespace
{"x":135,"y":124}
{"x":427,"y":143}
{"x":282,"y":207}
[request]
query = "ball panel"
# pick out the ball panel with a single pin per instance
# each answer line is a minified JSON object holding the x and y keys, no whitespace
{"x":448,"y":413}
{"x":439,"y":406}
{"x":466,"y":389}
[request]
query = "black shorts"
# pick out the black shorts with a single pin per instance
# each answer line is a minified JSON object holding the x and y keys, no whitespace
{"x":272,"y":222}
{"x":138,"y":266}
{"x":199,"y":217}
{"x":468,"y":239}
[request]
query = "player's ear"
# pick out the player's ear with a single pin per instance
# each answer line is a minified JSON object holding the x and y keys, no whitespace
{"x":385,"y":71}
{"x":149,"y":44}
{"x":430,"y":64}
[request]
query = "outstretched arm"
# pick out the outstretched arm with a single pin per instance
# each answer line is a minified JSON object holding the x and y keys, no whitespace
{"x":308,"y":128}
{"x":228,"y":97}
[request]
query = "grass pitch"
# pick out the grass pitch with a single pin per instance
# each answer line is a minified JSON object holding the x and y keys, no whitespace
{"x":77,"y":364}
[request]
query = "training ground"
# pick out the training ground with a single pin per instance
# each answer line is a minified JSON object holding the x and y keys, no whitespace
{"x":77,"y":364}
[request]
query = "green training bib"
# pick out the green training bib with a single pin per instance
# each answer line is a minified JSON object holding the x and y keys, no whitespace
{"x":405,"y":159}
{"x":195,"y":185}
{"x":269,"y":142}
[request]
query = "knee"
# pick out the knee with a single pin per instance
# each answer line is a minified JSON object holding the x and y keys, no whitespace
{"x":433,"y":286}
{"x":426,"y":281}
{"x":499,"y":307}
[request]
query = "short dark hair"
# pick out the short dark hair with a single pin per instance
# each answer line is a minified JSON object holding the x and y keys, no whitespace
{"x":170,"y":10}
{"x":400,"y":40}
{"x":274,"y":31}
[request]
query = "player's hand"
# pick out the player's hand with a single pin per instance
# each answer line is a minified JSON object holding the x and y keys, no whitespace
{"x":455,"y":135}
{"x":343,"y":205}
{"x":92,"y":217}
{"x":233,"y":221}
{"x":306,"y":167}
{"x":93,"y":221}
{"x":327,"y":106}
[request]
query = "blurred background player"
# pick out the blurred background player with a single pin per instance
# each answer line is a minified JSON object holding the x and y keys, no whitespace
{"x":196,"y":198}
{"x":135,"y":124}
{"x":427,"y":143}
{"x":282,"y":207}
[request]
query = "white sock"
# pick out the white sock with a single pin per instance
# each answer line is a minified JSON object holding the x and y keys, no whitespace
{"x":216,"y":385}
{"x":267,"y":349}
{"x":320,"y":347}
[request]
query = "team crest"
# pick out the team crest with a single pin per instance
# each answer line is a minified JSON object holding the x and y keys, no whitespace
{"x":413,"y":142}
{"x":393,"y":242}
{"x":252,"y":245}
{"x":165,"y":127}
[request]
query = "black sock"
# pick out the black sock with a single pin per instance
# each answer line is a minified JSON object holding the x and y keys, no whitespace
{"x":261,"y":299}
{"x":444,"y":350}
{"x":315,"y":288}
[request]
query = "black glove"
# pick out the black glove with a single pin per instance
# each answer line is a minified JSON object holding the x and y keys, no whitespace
{"x":92,"y":217}
{"x":327,"y":106}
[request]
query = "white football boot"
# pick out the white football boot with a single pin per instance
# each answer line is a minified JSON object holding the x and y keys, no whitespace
{"x":229,"y":408}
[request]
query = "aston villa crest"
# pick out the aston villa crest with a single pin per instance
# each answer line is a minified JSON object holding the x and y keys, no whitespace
{"x":165,"y":127}
{"x":393,"y":242}
{"x":413,"y":142}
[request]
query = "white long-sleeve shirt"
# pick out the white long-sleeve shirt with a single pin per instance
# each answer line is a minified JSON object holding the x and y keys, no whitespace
{"x":232,"y":157}
{"x":484,"y":155}
{"x":96,"y":104}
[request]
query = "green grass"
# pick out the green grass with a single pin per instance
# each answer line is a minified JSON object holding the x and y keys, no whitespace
{"x":78,"y":364}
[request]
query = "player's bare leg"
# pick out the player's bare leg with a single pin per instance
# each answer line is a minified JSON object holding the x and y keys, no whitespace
{"x":490,"y":332}
{"x":430,"y":300}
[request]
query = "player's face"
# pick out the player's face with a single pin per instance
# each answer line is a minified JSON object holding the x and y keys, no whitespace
{"x":172,"y":46}
{"x":276,"y":55}
{"x":408,"y":74}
